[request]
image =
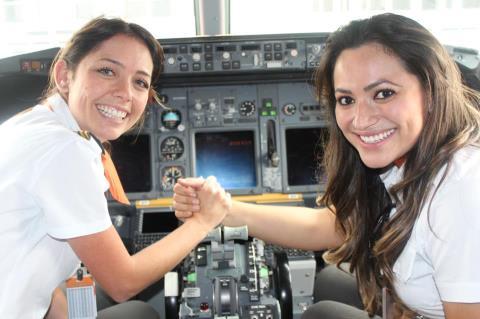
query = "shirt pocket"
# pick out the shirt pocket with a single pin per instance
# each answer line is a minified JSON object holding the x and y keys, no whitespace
{"x":403,"y":267}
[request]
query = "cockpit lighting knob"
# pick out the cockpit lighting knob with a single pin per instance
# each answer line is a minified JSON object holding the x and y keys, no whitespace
{"x":289,"y":109}
{"x":196,"y":57}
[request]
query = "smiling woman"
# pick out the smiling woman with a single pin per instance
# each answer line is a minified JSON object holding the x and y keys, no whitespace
{"x":109,"y":89}
{"x":53,"y":178}
{"x":402,"y":163}
{"x":401,"y":121}
{"x":380,"y":107}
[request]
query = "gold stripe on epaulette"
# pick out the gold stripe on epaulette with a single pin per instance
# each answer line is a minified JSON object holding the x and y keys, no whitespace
{"x":85,"y":134}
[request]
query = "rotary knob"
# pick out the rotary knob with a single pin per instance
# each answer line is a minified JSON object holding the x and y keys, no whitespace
{"x":226,"y":56}
{"x":316,"y":48}
{"x":247,"y":108}
{"x":196,"y":57}
{"x":289,"y":109}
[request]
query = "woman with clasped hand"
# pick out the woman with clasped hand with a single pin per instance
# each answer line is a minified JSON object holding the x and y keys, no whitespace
{"x":54,"y":212}
{"x":403,"y":169}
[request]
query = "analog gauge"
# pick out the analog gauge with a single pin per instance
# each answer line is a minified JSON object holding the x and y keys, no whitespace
{"x":170,"y":175}
{"x":289,"y":109}
{"x":247,"y":108}
{"x":171,"y":119}
{"x":316,"y":48}
{"x":171,"y":148}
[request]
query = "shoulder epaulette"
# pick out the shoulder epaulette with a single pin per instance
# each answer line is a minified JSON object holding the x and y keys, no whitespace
{"x":85,"y":134}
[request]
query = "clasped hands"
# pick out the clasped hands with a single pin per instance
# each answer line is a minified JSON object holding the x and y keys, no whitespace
{"x":201,"y":199}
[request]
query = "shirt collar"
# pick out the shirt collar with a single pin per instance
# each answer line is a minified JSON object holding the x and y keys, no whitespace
{"x":392,"y":176}
{"x":62,"y":111}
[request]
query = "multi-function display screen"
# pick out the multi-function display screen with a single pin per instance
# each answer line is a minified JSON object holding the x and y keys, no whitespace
{"x":158,"y":222}
{"x":304,"y":155}
{"x":229,"y":156}
{"x":131,"y":156}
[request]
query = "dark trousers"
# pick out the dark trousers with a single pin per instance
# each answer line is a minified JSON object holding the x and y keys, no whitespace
{"x":336,"y":296}
{"x":129,"y":310}
{"x":109,"y":309}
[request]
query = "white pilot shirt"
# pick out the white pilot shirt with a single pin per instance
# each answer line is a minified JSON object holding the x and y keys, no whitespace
{"x":441,"y":260}
{"x":51,"y":188}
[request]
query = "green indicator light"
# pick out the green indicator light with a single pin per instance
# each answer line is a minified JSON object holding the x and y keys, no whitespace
{"x":273,"y":113}
{"x":263,"y":272}
{"x":268,"y":103}
{"x":192,"y":277}
{"x":264,"y":113}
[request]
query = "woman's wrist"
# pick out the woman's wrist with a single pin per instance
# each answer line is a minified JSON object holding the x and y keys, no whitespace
{"x":198,"y":226}
{"x":234,"y":216}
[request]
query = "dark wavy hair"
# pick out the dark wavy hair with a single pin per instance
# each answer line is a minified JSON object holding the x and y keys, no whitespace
{"x":354,"y":190}
{"x":97,"y":31}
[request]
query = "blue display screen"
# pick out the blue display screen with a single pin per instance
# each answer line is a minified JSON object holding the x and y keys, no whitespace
{"x":229,"y":156}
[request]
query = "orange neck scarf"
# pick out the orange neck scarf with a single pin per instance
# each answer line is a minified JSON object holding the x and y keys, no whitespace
{"x":116,"y":188}
{"x":399,"y":161}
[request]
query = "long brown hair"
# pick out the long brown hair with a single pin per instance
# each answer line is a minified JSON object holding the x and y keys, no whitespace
{"x":97,"y":31}
{"x":452,"y":122}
